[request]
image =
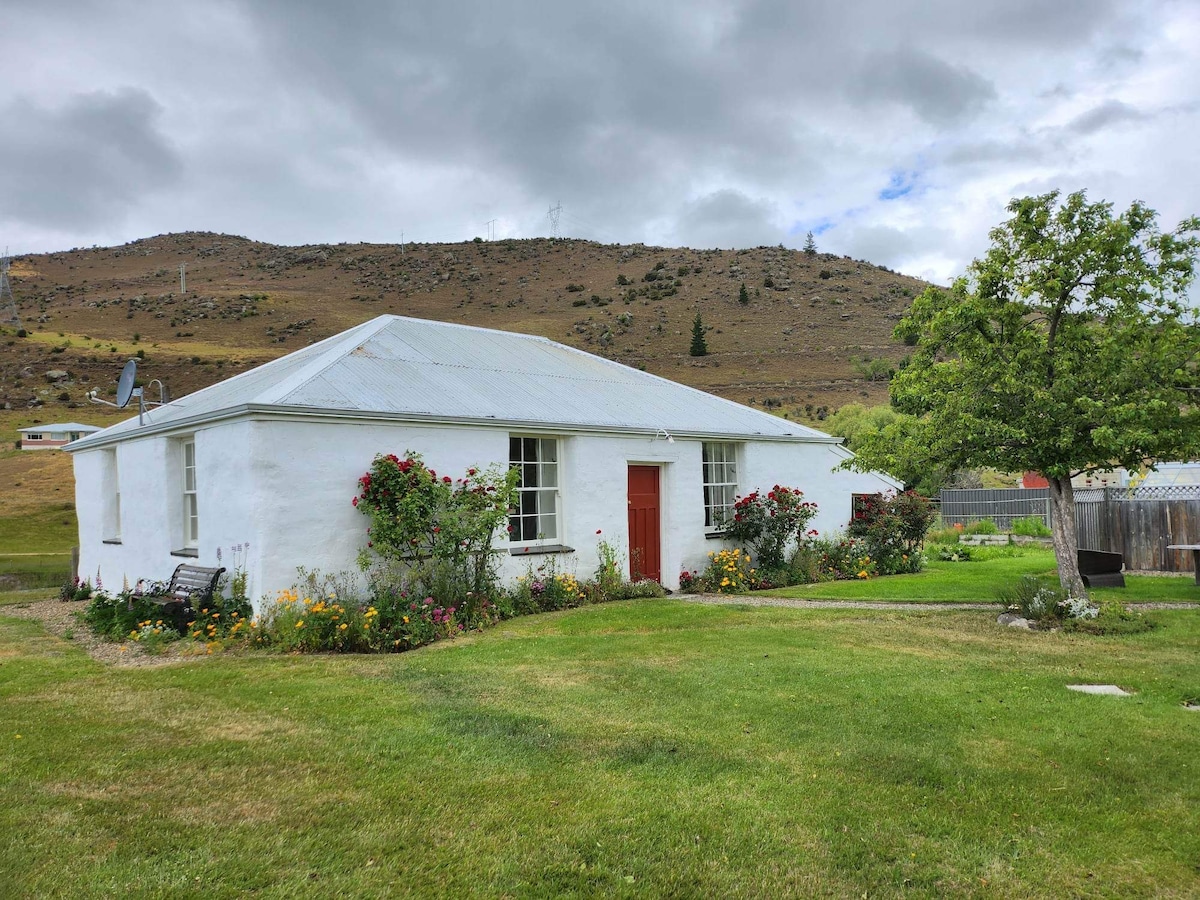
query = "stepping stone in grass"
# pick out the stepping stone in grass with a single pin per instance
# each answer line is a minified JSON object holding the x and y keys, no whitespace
{"x":1110,"y":689}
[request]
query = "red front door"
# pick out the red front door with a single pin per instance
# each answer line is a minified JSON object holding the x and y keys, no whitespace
{"x":644,"y":546}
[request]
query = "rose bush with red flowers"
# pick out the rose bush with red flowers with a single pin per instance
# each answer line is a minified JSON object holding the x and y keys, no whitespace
{"x":892,"y":527}
{"x":769,"y":523}
{"x":434,"y":532}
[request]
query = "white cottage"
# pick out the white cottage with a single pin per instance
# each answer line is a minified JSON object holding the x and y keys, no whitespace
{"x":271,"y":457}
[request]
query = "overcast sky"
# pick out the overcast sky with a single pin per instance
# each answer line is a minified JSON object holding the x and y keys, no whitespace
{"x":896,"y":130}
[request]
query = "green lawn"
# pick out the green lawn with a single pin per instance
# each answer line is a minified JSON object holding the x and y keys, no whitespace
{"x":646,"y":748}
{"x":52,"y":529}
{"x":42,"y":570}
{"x":982,"y":579}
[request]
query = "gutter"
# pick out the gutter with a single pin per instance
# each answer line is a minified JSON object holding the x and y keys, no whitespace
{"x":261,"y":411}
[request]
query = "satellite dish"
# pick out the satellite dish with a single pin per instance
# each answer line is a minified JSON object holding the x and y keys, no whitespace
{"x":125,"y":384}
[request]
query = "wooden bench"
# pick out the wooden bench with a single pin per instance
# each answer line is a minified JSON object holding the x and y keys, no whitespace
{"x":1099,"y":568}
{"x":190,"y":588}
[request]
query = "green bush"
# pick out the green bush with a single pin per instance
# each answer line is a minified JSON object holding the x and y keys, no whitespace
{"x":893,"y":528}
{"x":1113,"y":618}
{"x":1030,"y":526}
{"x":954,"y":554}
{"x":983,"y":526}
{"x":116,"y":616}
{"x":946,"y":535}
{"x":843,"y":558}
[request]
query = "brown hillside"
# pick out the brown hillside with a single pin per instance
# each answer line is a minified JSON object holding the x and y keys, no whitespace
{"x":801,"y":339}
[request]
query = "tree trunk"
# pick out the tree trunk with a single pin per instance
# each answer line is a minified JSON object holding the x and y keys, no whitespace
{"x":1063,"y":534}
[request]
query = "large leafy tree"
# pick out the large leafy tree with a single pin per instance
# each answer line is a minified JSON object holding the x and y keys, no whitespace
{"x":1070,"y":347}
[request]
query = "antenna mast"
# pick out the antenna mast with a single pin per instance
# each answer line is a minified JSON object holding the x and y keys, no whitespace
{"x":554,"y":213}
{"x":9,"y":308}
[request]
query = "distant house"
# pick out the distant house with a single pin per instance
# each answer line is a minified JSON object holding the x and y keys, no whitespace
{"x":1116,"y":478}
{"x":53,"y":437}
{"x":271,"y":457}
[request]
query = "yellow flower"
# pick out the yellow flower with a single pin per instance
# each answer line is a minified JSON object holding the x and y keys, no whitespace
{"x":406,"y":620}
{"x":216,"y":615}
{"x":300,"y":624}
{"x":343,"y":626}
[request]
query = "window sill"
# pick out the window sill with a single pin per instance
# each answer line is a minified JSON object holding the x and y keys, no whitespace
{"x":715,"y":536}
{"x":189,"y":552}
{"x":111,"y":541}
{"x":539,"y":549}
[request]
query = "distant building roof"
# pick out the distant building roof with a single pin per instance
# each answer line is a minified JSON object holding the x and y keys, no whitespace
{"x":420,"y":370}
{"x":63,"y":426}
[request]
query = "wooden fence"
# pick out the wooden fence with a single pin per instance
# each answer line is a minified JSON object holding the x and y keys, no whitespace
{"x":964,"y":506}
{"x":1139,"y":524}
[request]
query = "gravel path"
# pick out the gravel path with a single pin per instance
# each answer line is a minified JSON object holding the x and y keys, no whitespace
{"x":60,"y":619}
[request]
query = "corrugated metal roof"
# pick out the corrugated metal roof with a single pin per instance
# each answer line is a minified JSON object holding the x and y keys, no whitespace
{"x":397,"y":366}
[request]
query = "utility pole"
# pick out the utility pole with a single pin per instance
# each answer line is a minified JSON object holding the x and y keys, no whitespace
{"x":402,"y":243}
{"x":183,"y":278}
{"x":554,"y":213}
{"x":10,"y":309}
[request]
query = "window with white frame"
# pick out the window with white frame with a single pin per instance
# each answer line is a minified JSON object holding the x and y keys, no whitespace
{"x":111,"y":481}
{"x":34,"y":436}
{"x":720,"y":483}
{"x":535,"y":516}
{"x":191,"y":509}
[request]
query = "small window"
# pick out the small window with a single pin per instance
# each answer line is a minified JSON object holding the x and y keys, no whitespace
{"x":535,"y":516}
{"x":191,"y":509}
{"x":34,"y":436}
{"x":112,"y":496}
{"x":720,"y":483}
{"x":859,"y":503}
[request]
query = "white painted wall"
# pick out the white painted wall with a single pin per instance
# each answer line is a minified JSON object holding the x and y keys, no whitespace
{"x":284,"y":486}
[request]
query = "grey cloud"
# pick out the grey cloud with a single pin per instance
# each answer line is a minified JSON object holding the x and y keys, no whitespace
{"x":995,"y":150}
{"x":936,"y":91}
{"x":84,"y":163}
{"x":300,"y":119}
{"x":1110,"y":112}
{"x":728,"y":218}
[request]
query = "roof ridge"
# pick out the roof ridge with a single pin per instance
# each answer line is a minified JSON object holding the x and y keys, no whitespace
{"x":330,"y":356}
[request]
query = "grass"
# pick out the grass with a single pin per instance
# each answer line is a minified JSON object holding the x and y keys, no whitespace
{"x":981,"y":580}
{"x":46,"y":570}
{"x":645,"y":748}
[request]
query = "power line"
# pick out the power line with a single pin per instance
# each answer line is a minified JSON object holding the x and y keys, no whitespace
{"x":554,"y":212}
{"x":12,"y":318}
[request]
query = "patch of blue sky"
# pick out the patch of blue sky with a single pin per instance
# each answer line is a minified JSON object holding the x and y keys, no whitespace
{"x":899,"y":185}
{"x":816,"y":226}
